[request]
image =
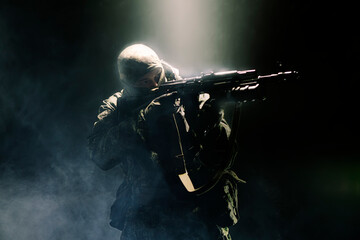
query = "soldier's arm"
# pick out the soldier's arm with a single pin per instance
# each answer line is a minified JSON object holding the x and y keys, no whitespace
{"x":109,"y":141}
{"x":213,"y":133}
{"x":203,"y":130}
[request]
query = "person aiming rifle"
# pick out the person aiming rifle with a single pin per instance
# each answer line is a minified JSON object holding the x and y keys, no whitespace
{"x":174,"y":146}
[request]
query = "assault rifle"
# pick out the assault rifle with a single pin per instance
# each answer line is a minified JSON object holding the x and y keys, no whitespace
{"x":233,"y":85}
{"x":229,"y":86}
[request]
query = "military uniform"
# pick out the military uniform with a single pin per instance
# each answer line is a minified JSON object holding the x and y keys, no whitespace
{"x":155,"y":141}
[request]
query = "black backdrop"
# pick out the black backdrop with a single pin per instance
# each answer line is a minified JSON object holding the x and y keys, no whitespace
{"x":298,"y":149}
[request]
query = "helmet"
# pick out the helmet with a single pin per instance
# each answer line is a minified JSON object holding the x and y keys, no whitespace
{"x":136,"y":61}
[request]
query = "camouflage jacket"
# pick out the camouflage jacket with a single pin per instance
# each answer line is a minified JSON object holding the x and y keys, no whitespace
{"x":157,"y":143}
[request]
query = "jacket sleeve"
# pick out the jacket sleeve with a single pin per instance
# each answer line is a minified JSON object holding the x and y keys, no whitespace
{"x":213,"y":133}
{"x":203,"y":130}
{"x":109,"y":140}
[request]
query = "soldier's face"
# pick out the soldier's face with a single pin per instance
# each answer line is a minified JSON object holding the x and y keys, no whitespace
{"x":149,"y":80}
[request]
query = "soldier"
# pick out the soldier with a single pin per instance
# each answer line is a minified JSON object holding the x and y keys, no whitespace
{"x":174,"y":151}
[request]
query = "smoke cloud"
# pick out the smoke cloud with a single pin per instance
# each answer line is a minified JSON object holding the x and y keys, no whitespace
{"x":58,"y":61}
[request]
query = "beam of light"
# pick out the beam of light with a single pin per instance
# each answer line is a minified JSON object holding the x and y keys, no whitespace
{"x":186,"y":33}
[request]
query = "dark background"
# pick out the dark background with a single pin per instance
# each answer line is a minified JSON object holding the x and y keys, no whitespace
{"x":298,"y":149}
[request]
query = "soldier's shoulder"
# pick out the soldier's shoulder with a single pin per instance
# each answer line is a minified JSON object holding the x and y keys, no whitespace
{"x":111,"y":102}
{"x":109,"y":105}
